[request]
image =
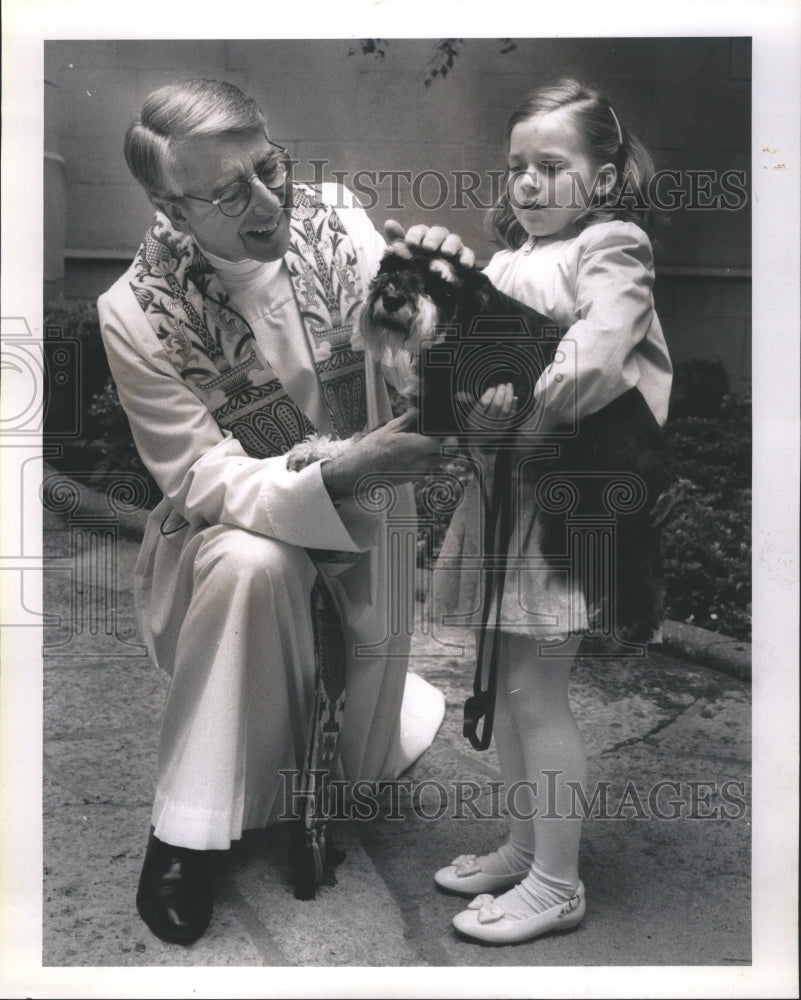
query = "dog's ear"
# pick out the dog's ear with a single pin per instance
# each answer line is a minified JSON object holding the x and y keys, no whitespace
{"x":480,"y":295}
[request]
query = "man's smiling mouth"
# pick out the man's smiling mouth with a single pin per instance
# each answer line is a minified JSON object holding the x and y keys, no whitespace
{"x":267,"y":230}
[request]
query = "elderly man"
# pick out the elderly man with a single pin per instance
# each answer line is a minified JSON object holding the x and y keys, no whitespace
{"x":229,"y":339}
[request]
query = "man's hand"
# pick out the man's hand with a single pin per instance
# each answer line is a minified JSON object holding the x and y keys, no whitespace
{"x":394,"y":447}
{"x":434,"y":238}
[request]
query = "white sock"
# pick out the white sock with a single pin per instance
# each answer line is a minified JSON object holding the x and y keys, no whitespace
{"x":509,"y":858}
{"x":536,"y":893}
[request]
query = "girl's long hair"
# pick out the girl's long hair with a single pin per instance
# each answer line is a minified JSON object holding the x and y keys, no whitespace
{"x":597,"y":124}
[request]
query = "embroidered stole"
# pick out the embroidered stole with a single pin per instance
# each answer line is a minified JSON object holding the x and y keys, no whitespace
{"x":213,"y":348}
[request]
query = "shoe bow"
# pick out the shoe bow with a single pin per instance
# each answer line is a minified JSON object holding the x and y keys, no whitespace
{"x":466,"y":865}
{"x":488,"y":909}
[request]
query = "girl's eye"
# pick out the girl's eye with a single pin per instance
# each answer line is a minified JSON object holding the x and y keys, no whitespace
{"x":545,"y":167}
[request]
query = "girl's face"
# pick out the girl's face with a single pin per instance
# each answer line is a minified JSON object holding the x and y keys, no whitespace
{"x":552,"y":180}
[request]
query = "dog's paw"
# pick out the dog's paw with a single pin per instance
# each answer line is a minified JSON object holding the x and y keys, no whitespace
{"x":310,"y":450}
{"x":315,"y":448}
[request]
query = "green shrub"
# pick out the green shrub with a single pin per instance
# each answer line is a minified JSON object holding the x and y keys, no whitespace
{"x":707,"y":553}
{"x":104,"y":443}
{"x":707,"y":541}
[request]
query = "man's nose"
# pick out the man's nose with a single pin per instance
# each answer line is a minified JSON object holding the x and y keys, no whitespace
{"x":264,"y":197}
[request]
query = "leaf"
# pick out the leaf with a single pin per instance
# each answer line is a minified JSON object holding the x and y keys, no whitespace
{"x":370,"y":46}
{"x":445,"y":52}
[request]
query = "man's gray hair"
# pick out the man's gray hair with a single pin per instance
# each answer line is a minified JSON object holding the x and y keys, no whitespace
{"x":175,"y":112}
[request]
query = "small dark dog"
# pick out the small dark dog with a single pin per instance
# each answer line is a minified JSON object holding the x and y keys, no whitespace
{"x":460,"y":334}
{"x":451,"y":335}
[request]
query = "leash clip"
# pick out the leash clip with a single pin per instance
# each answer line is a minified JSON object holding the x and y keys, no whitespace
{"x":477,"y":707}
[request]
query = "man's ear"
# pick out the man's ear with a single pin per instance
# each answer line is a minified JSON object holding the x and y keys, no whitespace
{"x":174,"y":212}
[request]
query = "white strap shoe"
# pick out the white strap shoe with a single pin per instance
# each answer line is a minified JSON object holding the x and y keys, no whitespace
{"x":464,"y":876}
{"x":486,"y":920}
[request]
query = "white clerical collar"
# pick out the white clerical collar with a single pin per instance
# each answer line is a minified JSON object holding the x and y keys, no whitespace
{"x":233,"y":270}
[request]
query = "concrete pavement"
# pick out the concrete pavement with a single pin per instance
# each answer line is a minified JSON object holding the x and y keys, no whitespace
{"x":665,"y":854}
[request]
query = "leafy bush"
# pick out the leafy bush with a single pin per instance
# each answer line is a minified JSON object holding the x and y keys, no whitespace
{"x":707,"y":551}
{"x":104,"y":443}
{"x":707,"y":541}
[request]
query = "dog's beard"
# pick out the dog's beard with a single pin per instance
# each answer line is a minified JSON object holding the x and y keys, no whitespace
{"x":407,"y":374}
{"x":403,"y":329}
{"x":398,"y":335}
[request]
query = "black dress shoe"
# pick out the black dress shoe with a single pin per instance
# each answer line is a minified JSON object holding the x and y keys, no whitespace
{"x":175,"y":896}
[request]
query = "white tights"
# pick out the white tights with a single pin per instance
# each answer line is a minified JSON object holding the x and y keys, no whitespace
{"x":540,"y":750}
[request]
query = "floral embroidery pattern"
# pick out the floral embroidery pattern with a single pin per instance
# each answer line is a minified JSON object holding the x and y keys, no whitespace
{"x":213,"y":348}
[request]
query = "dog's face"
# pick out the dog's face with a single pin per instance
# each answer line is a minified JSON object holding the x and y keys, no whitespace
{"x":413,"y":292}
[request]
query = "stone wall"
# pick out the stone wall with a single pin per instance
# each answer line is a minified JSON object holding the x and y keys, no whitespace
{"x":420,"y":153}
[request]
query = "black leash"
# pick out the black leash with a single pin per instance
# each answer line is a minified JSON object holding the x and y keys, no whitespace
{"x":497,"y":534}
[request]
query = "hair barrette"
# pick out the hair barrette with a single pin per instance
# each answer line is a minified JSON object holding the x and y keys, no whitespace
{"x":619,"y":129}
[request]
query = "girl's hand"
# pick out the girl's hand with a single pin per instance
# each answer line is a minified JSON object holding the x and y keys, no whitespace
{"x":498,"y":404}
{"x":434,"y":238}
{"x":395,"y":447}
{"x":493,"y":413}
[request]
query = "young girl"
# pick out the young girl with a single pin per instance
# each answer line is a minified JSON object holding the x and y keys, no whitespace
{"x":572,"y":217}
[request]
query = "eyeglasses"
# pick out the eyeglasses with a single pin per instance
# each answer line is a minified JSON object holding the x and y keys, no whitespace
{"x":235,"y":198}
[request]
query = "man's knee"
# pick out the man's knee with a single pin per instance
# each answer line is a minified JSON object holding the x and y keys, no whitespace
{"x":235,"y":556}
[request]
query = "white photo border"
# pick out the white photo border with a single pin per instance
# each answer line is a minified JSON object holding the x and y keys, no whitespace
{"x":774,"y":27}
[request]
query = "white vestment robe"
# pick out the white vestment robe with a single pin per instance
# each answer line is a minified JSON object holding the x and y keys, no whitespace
{"x":224,"y":576}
